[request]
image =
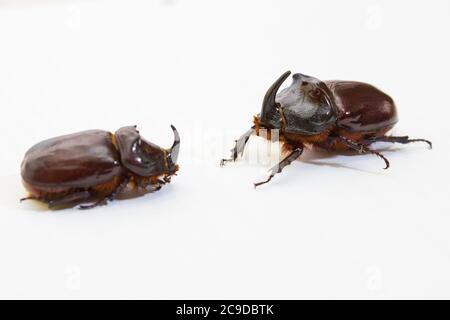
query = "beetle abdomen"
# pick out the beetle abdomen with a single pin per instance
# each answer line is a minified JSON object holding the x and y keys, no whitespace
{"x":363,"y":107}
{"x":79,"y":160}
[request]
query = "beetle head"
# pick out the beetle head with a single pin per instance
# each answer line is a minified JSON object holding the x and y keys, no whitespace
{"x":145,"y":158}
{"x":305,"y":107}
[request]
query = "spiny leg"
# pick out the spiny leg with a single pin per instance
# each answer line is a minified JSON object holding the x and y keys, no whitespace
{"x":402,"y":140}
{"x":70,"y":198}
{"x":239,"y":147}
{"x":361,"y":148}
{"x":280,"y":166}
{"x":67,"y":199}
{"x":111,"y":197}
{"x":167,"y":179}
{"x":30,"y":198}
{"x":154,"y":188}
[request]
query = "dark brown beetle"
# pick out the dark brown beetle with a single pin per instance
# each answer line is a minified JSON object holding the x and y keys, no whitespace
{"x":79,"y":167}
{"x":333,"y":115}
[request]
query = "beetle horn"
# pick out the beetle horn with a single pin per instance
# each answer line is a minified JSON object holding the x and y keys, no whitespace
{"x":269,"y":102}
{"x":175,"y":149}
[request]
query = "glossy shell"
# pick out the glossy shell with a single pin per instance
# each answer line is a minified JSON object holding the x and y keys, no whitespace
{"x":363,"y":107}
{"x":80,"y":160}
{"x":138,"y":155}
{"x":304,"y":113}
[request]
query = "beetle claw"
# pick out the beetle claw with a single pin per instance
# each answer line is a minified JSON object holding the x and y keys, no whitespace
{"x":223,"y":162}
{"x":263,"y":182}
{"x":28,"y":198}
{"x":167,"y":179}
{"x":430,"y":144}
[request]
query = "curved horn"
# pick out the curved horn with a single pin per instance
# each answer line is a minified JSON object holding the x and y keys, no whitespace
{"x":175,"y":149}
{"x":269,"y":99}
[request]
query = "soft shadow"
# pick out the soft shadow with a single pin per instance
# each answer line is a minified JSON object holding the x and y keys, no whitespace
{"x":317,"y":157}
{"x":12,"y":191}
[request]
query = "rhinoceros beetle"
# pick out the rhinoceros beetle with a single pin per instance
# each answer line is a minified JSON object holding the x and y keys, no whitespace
{"x":334,"y":115}
{"x":96,"y":164}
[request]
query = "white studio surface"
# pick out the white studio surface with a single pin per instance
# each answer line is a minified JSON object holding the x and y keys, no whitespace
{"x":330,"y":226}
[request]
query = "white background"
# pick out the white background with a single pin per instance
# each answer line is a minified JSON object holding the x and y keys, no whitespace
{"x":330,"y":226}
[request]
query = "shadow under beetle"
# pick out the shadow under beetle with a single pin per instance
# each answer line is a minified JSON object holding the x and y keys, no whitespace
{"x":79,"y":167}
{"x":334,"y":115}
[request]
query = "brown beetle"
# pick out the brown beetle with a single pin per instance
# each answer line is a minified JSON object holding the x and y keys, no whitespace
{"x":328,"y":114}
{"x":92,"y":164}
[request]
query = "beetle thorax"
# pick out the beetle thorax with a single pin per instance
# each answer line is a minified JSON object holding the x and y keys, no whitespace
{"x":306,"y":107}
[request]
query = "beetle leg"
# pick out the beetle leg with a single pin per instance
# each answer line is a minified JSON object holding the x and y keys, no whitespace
{"x":239,"y":147}
{"x":163,"y":181}
{"x":156,"y":188}
{"x":283,"y":118}
{"x":30,"y":198}
{"x":361,"y":148}
{"x":402,"y":140}
{"x":280,"y":166}
{"x":111,"y":197}
{"x":70,"y":198}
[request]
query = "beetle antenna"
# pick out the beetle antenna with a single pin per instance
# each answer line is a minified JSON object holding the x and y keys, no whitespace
{"x":269,"y":99}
